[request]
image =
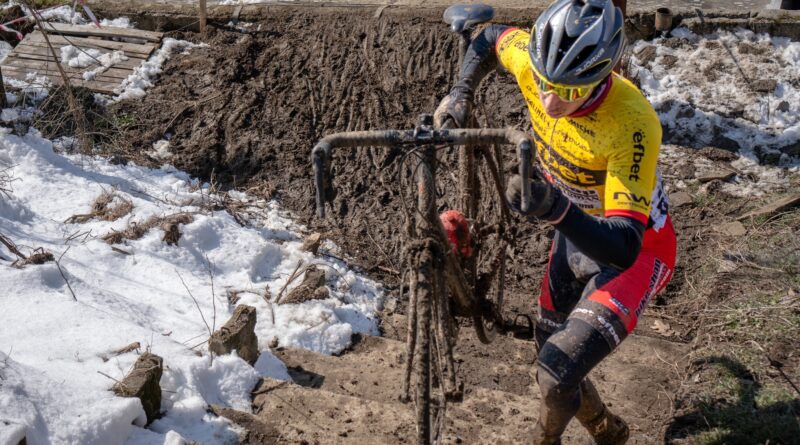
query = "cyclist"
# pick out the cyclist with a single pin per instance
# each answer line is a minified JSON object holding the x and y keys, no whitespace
{"x":597,"y":141}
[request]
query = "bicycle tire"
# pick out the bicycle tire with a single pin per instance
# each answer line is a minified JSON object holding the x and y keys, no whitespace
{"x":422,"y":354}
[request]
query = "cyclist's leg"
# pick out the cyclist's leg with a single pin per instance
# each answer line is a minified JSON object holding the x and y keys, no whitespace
{"x":562,"y":287}
{"x":568,"y":272}
{"x":605,"y":315}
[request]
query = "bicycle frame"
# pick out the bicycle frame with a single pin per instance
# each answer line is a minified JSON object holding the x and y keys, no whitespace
{"x":437,"y":268}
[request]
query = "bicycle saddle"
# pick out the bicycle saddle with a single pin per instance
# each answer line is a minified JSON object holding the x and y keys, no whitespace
{"x":463,"y":17}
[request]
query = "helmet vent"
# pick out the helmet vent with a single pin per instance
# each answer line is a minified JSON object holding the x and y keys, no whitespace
{"x":596,"y":69}
{"x":547,"y":35}
{"x":566,"y":43}
{"x":583,"y":56}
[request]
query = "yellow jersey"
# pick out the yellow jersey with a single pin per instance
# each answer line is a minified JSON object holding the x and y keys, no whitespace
{"x":604,"y":161}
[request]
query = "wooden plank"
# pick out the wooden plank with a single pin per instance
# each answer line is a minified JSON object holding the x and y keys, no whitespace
{"x":58,"y":41}
{"x":45,"y":54}
{"x":774,"y":207}
{"x":42,"y":49}
{"x":100,"y":87}
{"x":91,"y":30}
{"x":40,"y":65}
{"x":27,"y":60}
{"x":23,"y":72}
{"x":104,"y":87}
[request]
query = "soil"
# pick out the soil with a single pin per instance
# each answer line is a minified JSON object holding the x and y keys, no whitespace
{"x":246,"y":111}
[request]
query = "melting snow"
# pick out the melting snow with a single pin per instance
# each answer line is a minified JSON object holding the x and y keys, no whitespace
{"x":143,"y":76}
{"x":53,"y":348}
{"x":736,"y":89}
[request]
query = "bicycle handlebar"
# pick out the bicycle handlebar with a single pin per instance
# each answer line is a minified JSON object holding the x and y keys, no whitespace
{"x":321,"y":153}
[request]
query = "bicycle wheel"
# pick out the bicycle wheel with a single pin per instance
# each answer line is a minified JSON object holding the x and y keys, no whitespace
{"x":490,"y":216}
{"x":422,"y":353}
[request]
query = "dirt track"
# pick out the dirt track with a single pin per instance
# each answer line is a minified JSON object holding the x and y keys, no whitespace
{"x":248,"y":109}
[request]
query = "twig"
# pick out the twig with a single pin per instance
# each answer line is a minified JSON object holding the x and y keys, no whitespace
{"x":190,"y":339}
{"x":58,"y":265}
{"x":109,"y":377}
{"x":195,"y":303}
{"x":271,"y":312}
{"x":388,"y":258}
{"x":11,"y":246}
{"x":73,"y":103}
{"x":213,"y":295}
{"x":786,"y":377}
{"x":187,"y":107}
{"x":291,"y":278}
{"x":199,"y":344}
{"x":118,"y":250}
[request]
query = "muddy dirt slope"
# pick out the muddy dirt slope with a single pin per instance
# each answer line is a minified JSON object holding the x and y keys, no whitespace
{"x":246,"y":111}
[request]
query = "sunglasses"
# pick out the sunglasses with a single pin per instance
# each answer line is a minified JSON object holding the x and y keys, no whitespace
{"x":564,"y":92}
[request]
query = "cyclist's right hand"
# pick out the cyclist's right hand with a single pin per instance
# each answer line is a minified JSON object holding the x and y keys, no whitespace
{"x":457,"y":106}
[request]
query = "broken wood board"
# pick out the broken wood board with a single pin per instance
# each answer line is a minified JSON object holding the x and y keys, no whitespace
{"x":774,"y":207}
{"x":33,"y":57}
{"x":108,"y":31}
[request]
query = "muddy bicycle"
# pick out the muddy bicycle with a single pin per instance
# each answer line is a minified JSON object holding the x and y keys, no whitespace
{"x":444,"y":283}
{"x":439,"y":288}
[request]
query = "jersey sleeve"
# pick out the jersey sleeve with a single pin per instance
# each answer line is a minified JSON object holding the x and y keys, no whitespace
{"x":512,"y":51}
{"x":631,"y":174}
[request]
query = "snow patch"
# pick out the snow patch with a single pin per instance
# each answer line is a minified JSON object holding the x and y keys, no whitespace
{"x":119,"y":22}
{"x":53,"y":390}
{"x":63,"y":14}
{"x":160,"y":150}
{"x":732,"y":89}
{"x":144,"y":75}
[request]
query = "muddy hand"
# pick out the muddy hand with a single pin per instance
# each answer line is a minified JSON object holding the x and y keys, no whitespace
{"x":457,"y":106}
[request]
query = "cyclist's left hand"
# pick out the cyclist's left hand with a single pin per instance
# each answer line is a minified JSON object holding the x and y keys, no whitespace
{"x":456,"y":105}
{"x":544,"y":196}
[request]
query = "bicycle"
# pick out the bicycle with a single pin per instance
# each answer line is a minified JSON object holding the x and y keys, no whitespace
{"x":442,"y":285}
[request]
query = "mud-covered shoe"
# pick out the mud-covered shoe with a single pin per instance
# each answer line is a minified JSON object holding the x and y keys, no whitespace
{"x":608,"y":429}
{"x":541,"y":438}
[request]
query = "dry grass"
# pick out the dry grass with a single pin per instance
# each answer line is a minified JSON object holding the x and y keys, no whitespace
{"x":5,"y":182}
{"x":741,"y":304}
{"x":109,"y":206}
{"x":169,"y":224}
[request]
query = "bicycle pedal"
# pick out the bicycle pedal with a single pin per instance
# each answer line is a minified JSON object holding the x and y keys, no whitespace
{"x":518,"y":331}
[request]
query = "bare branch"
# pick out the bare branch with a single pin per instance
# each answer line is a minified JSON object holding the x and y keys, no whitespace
{"x":195,"y":302}
{"x":58,"y":265}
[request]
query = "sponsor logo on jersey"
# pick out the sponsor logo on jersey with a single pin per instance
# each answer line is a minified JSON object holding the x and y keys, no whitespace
{"x":576,"y":143}
{"x":582,"y":128}
{"x":632,"y":198}
{"x":566,"y":170}
{"x":660,"y":207}
{"x":638,"y":155}
{"x":587,"y":199}
{"x":620,"y":306}
{"x":660,"y":273}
